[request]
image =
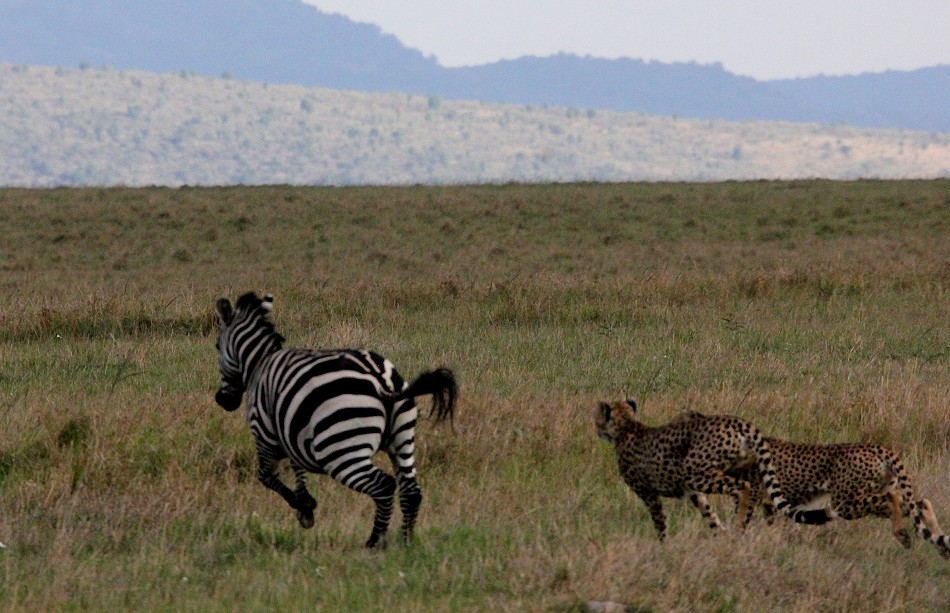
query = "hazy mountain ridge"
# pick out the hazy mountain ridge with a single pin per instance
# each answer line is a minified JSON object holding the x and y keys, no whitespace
{"x":277,"y":41}
{"x":106,"y":127}
{"x":287,"y":41}
{"x":683,"y":89}
{"x":913,"y":99}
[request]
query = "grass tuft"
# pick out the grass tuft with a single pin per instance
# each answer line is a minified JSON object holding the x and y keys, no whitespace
{"x":77,"y":432}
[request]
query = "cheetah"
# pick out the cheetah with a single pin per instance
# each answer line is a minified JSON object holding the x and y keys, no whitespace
{"x":689,"y":457}
{"x":851,"y":481}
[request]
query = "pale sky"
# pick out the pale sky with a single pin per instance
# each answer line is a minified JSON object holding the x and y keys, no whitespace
{"x":765,"y":39}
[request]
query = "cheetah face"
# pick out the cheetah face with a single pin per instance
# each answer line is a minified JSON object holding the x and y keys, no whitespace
{"x":610,"y":418}
{"x":606,"y":429}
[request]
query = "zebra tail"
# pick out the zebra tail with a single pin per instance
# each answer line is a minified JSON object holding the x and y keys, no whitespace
{"x":441,"y":384}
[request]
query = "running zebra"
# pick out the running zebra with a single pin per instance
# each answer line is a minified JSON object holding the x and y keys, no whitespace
{"x":328,"y":412}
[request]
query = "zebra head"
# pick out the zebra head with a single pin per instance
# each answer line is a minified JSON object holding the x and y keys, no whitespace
{"x":246,"y":335}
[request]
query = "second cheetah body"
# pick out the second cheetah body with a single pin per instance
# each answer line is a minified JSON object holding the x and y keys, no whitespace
{"x":852,"y":481}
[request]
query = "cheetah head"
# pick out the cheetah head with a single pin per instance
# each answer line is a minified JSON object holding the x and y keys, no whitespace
{"x":612,"y":419}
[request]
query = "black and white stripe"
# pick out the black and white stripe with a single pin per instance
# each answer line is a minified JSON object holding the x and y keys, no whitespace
{"x":327,"y":412}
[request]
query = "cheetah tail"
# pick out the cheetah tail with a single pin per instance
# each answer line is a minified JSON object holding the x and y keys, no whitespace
{"x":928,"y":530}
{"x":774,"y":489}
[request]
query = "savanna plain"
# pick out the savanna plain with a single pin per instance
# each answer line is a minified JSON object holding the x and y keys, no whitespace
{"x":817,"y":310}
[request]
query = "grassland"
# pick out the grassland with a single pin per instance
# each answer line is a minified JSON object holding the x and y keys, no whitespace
{"x":818,"y":310}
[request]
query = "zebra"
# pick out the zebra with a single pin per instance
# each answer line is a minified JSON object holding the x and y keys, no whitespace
{"x":327,"y":411}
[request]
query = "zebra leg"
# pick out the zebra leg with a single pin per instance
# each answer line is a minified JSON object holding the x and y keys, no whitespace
{"x":267,"y":460}
{"x":410,"y":499}
{"x":400,"y":450}
{"x":304,"y":502}
{"x":381,"y":487}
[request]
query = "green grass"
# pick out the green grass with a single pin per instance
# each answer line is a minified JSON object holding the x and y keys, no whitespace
{"x":818,"y":310}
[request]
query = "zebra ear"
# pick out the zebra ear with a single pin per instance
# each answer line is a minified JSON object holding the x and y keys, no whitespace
{"x":268,"y":303}
{"x":225,"y":312}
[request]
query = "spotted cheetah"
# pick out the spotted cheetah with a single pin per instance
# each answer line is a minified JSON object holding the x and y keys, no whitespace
{"x":851,"y":481}
{"x":689,"y":457}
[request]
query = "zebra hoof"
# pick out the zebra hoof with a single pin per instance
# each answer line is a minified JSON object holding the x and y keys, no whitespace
{"x":305,"y":518}
{"x":376,"y":542}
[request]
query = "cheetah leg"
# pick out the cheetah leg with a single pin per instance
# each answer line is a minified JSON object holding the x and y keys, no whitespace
{"x":927,"y":512}
{"x":655,"y":507}
{"x":891,"y":504}
{"x":700,"y":502}
{"x":756,"y":498}
{"x":897,"y":524}
{"x":886,"y":504}
{"x":932,"y":531}
{"x":753,"y":500}
{"x":718,"y":482}
{"x":743,"y":510}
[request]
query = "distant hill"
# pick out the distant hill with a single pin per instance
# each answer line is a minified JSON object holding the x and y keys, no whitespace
{"x":915,"y":99}
{"x":686,"y":90}
{"x":287,"y":41}
{"x":116,"y":127}
{"x":272,"y":41}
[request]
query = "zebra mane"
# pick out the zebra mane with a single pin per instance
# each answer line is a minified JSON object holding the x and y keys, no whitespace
{"x":249,"y":305}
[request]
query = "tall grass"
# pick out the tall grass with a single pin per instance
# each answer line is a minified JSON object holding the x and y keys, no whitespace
{"x":818,"y":310}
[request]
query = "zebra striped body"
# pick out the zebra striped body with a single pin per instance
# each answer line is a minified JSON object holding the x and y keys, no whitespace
{"x":326,"y":409}
{"x":327,"y":412}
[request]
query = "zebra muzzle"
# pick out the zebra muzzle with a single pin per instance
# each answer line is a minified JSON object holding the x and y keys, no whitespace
{"x":227,"y":400}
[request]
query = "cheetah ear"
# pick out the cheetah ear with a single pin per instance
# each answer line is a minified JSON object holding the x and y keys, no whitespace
{"x":225,"y":311}
{"x":632,"y":404}
{"x":604,"y":410}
